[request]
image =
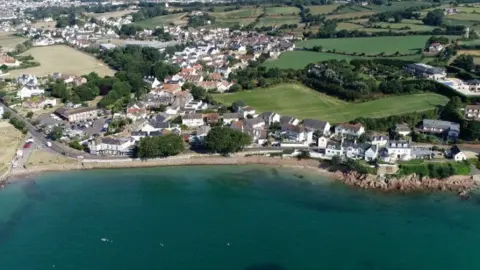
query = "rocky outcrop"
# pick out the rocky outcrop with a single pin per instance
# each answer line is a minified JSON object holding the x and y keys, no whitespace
{"x":458,"y":183}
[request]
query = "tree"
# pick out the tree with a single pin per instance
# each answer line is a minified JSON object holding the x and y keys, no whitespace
{"x":198,"y":92}
{"x":225,"y":140}
{"x":434,"y":18}
{"x":471,"y":131}
{"x":6,"y":115}
{"x":235,"y":88}
{"x":464,"y":61}
{"x":237,"y":104}
{"x":76,"y":145}
{"x":160,"y":146}
{"x":56,"y":133}
{"x":30,"y":114}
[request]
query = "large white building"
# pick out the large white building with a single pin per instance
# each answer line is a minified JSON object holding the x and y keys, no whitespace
{"x":28,"y":91}
{"x":112,"y":146}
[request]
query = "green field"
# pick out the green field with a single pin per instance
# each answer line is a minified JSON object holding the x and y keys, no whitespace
{"x":177,"y":19}
{"x":369,"y":45}
{"x":241,"y":13}
{"x":382,"y":8}
{"x":281,"y":11}
{"x":300,"y":59}
{"x":303,"y":102}
{"x":277,"y":21}
{"x":322,"y":9}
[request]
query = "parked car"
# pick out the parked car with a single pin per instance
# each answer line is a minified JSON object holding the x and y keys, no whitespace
{"x":27,"y":145}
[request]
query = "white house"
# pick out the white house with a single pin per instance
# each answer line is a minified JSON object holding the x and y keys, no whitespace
{"x":334,"y":149}
{"x":270,"y":117}
{"x":313,"y":124}
{"x":193,"y":120}
{"x":457,"y":154}
{"x":246,"y":110}
{"x":112,"y":146}
{"x":297,"y":133}
{"x":322,"y":142}
{"x":372,"y":153}
{"x":228,"y":118}
{"x":29,"y":91}
{"x":397,"y":150}
{"x":152,"y":82}
{"x":350,"y":129}
{"x":402,"y":129}
{"x":380,"y":141}
{"x":1,"y":111}
{"x":25,"y":79}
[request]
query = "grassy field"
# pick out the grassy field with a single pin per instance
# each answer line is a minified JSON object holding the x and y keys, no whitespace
{"x":277,"y":21}
{"x":241,"y":13}
{"x":45,"y":25}
{"x":62,"y":59}
{"x":113,"y":14}
{"x":463,"y":16}
{"x":300,"y":59}
{"x":382,"y":8}
{"x":42,"y":157}
{"x":351,"y":15}
{"x":177,"y":19}
{"x":10,"y":140}
{"x":228,"y":22}
{"x":282,"y":11}
{"x":322,"y":9}
{"x":369,"y":45}
{"x":8,"y":41}
{"x":302,"y":102}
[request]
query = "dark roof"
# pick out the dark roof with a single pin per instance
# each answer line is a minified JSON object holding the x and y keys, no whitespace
{"x":430,"y":123}
{"x":455,"y":150}
{"x":231,"y":115}
{"x":290,"y":127}
{"x":286,"y":119}
{"x":111,"y":141}
{"x":67,"y":112}
{"x":139,"y":133}
{"x":254,"y":121}
{"x":193,"y":116}
{"x":314,"y":124}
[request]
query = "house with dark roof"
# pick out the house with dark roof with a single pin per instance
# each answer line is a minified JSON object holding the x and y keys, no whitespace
{"x":313,"y":124}
{"x":457,"y":154}
{"x":297,"y":133}
{"x":107,"y":146}
{"x":289,"y":120}
{"x":228,"y":118}
{"x":193,"y":120}
{"x":270,"y":117}
{"x":349,"y":129}
{"x":447,"y":128}
{"x":427,"y":71}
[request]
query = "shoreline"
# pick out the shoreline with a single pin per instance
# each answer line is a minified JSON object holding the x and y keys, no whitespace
{"x":460,"y":184}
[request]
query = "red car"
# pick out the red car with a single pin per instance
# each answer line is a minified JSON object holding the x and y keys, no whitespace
{"x":27,"y":145}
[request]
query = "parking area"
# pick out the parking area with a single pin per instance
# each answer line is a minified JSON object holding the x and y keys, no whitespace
{"x":83,"y":128}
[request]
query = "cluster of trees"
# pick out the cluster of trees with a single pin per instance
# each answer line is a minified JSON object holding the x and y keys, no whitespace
{"x":434,"y":18}
{"x":149,"y":11}
{"x":201,"y":20}
{"x":18,"y":124}
{"x":128,"y":30}
{"x":309,"y":18}
{"x":70,"y":20}
{"x":160,"y":146}
{"x":258,"y":76}
{"x":397,"y":16}
{"x":337,"y":78}
{"x":465,"y":62}
{"x":225,"y":140}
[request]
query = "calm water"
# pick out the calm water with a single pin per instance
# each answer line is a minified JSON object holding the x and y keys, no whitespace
{"x":245,"y":218}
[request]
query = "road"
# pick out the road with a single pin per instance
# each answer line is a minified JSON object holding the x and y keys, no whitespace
{"x":56,"y":147}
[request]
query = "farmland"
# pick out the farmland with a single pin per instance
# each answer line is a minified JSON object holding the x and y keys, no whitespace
{"x":300,"y":59}
{"x":323,"y":9}
{"x":302,"y":102}
{"x":369,"y":45}
{"x":177,"y":19}
{"x":277,"y":21}
{"x":62,"y":59}
{"x":112,"y":14}
{"x":8,"y":41}
{"x":281,"y":11}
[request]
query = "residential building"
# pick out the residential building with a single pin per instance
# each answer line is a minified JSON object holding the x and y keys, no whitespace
{"x":247,"y":110}
{"x":322,"y":126}
{"x":152,"y":82}
{"x":435,"y":47}
{"x":27,"y":79}
{"x":457,"y":154}
{"x":270,"y":117}
{"x":349,"y":129}
{"x":211,"y":118}
{"x":371,"y":153}
{"x":472,"y":112}
{"x":29,"y":91}
{"x":380,"y":141}
{"x":193,"y":120}
{"x":255,"y":123}
{"x":79,"y":114}
{"x":136,"y":111}
{"x":322,"y":142}
{"x":402,"y":129}
{"x":427,"y":71}
{"x":39,"y":103}
{"x":289,"y":120}
{"x":228,"y":118}
{"x":1,"y":111}
{"x":8,"y":61}
{"x":397,"y":150}
{"x":334,"y":148}
{"x":297,"y":133}
{"x":156,"y":124}
{"x":450,"y":129}
{"x":112,"y":146}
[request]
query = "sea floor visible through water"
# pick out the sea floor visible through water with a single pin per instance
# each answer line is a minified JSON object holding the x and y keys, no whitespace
{"x":228,"y":217}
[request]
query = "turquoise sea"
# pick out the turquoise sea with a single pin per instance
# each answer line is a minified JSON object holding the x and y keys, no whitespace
{"x":222,"y":218}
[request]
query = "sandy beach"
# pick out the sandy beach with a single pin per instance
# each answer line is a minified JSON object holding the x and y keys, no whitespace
{"x":311,"y":165}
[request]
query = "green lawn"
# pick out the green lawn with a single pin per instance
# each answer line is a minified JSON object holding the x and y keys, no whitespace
{"x":281,"y":10}
{"x":369,"y":45}
{"x":177,"y":19}
{"x":300,"y":59}
{"x":303,"y":102}
{"x":241,"y":13}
